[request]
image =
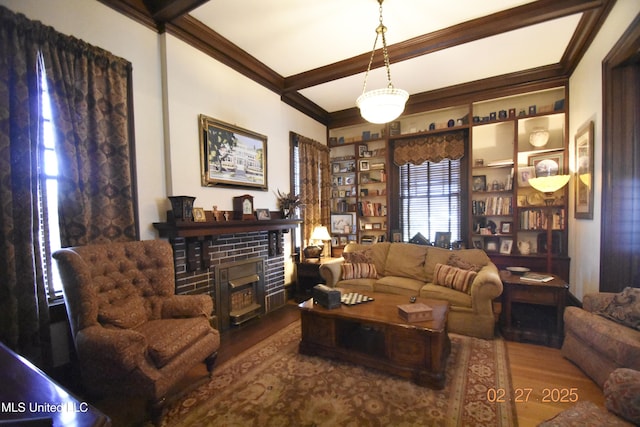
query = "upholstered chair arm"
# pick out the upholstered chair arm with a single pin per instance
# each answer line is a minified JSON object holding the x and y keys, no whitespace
{"x":119,"y":350}
{"x":187,"y":306}
{"x":598,"y":301}
{"x":485,"y":288}
{"x":331,"y":271}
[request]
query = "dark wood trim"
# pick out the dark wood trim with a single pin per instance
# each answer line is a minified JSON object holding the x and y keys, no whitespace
{"x":171,"y":16}
{"x":198,"y":35}
{"x":215,"y":228}
{"x":619,"y":257}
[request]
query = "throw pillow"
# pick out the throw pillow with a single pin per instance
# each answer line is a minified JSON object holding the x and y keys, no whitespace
{"x":357,"y":257}
{"x":624,"y":308}
{"x":456,"y":261}
{"x":359,"y":270}
{"x":622,"y":394}
{"x":454,"y":278}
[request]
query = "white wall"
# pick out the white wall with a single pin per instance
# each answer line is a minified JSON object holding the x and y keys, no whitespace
{"x":585,"y":104}
{"x":168,"y":162}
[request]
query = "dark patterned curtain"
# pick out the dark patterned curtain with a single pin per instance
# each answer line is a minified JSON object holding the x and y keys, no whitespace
{"x":315,"y":184}
{"x":90,"y":93}
{"x":432,"y":148}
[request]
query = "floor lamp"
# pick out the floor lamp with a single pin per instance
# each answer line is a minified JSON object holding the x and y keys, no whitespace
{"x":549,"y":185}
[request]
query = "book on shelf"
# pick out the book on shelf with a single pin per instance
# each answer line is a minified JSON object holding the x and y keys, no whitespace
{"x":537,"y":277}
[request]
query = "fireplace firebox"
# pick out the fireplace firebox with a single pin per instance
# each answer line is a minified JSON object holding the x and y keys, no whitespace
{"x":239,"y":291}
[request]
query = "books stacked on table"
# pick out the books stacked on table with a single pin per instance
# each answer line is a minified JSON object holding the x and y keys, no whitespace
{"x":536,"y":277}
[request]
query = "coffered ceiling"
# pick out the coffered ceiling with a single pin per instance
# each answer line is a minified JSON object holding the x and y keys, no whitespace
{"x":314,"y":53}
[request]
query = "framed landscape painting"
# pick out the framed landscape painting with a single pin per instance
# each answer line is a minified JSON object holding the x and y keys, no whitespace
{"x":231,"y":156}
{"x":584,"y":172}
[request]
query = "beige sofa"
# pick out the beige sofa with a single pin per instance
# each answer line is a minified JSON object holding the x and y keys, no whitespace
{"x":417,"y":270}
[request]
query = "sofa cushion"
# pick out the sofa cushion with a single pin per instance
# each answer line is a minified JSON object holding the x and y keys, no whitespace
{"x":624,"y":308}
{"x":452,"y":277}
{"x":406,"y":260}
{"x":399,"y":285}
{"x":359,"y":270}
{"x":456,"y":261}
{"x":434,"y":256}
{"x":170,"y":337}
{"x":357,"y":285}
{"x":622,"y":394}
{"x":455,"y":298}
{"x":358,"y":257}
{"x":375,"y":253}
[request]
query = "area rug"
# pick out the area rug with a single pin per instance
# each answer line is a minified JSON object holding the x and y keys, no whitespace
{"x":272,"y":385}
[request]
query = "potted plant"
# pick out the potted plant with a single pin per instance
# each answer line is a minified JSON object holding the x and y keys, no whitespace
{"x":288,"y":202}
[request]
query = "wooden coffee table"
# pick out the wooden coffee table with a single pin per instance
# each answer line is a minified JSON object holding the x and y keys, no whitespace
{"x":374,"y":335}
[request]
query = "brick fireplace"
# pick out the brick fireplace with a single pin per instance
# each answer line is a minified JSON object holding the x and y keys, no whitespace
{"x":240,"y":264}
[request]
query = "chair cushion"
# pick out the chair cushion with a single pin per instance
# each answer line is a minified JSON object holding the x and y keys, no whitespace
{"x":167,"y":338}
{"x":622,"y":394}
{"x":454,"y":278}
{"x":124,"y":313}
{"x":624,"y":308}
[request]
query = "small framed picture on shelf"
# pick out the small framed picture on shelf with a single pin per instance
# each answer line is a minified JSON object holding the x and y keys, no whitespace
{"x":505,"y":246}
{"x":336,"y":167}
{"x":477,"y":243}
{"x":362,"y":148}
{"x":364,"y":165}
{"x":348,"y":180}
{"x":396,"y":236}
{"x":377,"y":226}
{"x":506,"y":227}
{"x":491,"y":244}
{"x":198,"y":215}
{"x":342,"y":223}
{"x":443,"y":239}
{"x":263,"y":214}
{"x":524,"y":173}
{"x":547,"y":164}
{"x":364,"y":192}
{"x":479,"y":183}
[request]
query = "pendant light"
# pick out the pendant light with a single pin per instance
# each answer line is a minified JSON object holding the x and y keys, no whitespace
{"x":381,"y":105}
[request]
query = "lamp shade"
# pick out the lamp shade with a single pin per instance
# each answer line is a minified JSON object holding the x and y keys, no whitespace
{"x":549,"y":184}
{"x":320,"y":233}
{"x":382,"y":105}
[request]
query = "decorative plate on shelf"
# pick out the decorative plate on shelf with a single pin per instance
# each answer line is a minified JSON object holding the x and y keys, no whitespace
{"x":518,"y":270}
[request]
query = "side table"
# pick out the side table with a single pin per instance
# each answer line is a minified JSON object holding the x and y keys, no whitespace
{"x":532,"y":311}
{"x":308,"y":275}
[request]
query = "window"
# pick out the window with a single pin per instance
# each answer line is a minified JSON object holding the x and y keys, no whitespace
{"x":430,"y":199}
{"x":47,"y":194}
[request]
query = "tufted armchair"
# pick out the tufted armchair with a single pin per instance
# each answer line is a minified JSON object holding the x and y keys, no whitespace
{"x":132,"y":334}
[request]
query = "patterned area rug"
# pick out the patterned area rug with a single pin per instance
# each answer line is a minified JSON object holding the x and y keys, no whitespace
{"x":272,"y":385}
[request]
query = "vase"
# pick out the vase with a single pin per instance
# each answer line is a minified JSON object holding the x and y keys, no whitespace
{"x":182,"y":207}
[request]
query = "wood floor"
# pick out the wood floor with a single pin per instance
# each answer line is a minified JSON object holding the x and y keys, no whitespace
{"x":538,"y":373}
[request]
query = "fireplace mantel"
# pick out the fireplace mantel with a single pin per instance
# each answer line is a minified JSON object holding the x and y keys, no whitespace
{"x":215,"y":228}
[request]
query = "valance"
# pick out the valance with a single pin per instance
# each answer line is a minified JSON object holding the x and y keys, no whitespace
{"x":432,"y":148}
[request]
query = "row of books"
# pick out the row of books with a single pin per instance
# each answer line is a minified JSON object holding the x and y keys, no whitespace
{"x":368,"y":208}
{"x":343,"y":206}
{"x":536,"y":219}
{"x":496,"y":205}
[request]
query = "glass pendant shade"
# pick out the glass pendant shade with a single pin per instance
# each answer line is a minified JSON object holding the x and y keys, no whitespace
{"x":382,"y":105}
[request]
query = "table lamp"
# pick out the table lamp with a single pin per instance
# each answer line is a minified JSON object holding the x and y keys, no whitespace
{"x":320,"y":234}
{"x":549,"y":185}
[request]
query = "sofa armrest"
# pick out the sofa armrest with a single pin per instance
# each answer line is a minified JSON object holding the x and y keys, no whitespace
{"x":486,"y":287}
{"x":622,"y":394}
{"x":331,"y":271}
{"x":597,"y":301}
{"x":187,"y":306}
{"x":121,"y":350}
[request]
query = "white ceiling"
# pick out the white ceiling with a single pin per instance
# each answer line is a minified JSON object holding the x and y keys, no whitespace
{"x":294,"y":36}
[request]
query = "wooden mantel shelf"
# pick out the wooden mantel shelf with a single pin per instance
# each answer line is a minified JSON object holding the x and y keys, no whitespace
{"x":215,"y":228}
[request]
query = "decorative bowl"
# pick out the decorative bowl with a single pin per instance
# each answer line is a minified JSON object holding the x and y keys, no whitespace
{"x":518,"y":270}
{"x":539,"y":137}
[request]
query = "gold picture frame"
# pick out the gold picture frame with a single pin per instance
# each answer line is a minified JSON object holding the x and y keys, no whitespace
{"x":584,"y":172}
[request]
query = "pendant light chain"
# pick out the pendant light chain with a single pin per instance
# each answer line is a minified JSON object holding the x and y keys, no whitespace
{"x":380,"y":30}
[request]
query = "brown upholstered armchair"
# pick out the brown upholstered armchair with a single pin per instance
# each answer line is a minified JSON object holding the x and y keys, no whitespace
{"x":132,"y":334}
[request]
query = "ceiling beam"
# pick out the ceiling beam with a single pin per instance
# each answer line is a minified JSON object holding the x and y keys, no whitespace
{"x":168,"y":10}
{"x":519,"y":17}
